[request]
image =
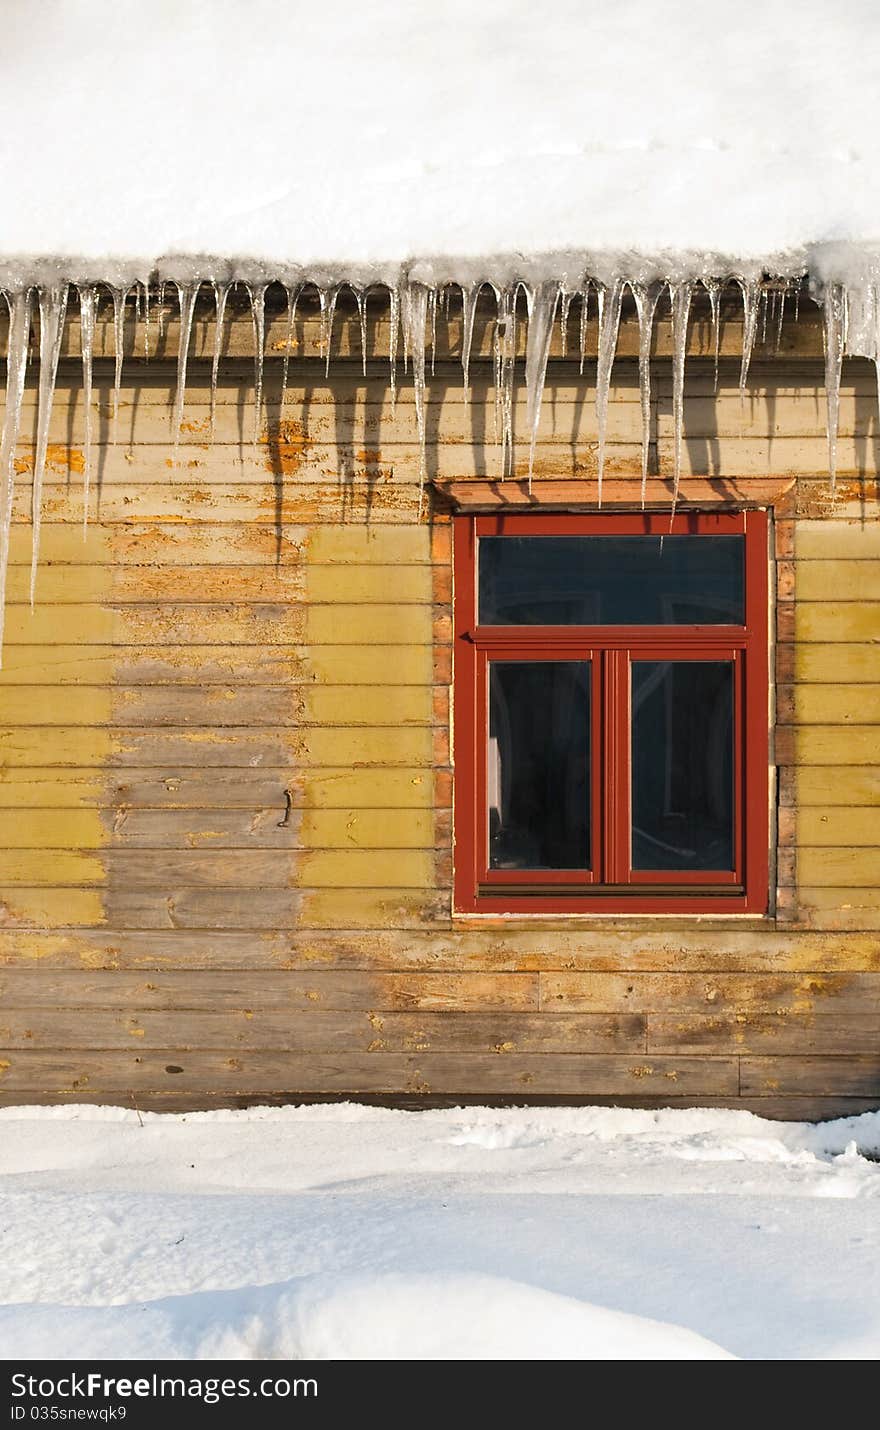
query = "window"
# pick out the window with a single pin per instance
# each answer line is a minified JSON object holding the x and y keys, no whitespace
{"x":611,"y":713}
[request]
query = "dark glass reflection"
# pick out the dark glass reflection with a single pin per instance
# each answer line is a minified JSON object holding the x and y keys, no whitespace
{"x":539,"y":765}
{"x":682,"y":764}
{"x":611,"y":580}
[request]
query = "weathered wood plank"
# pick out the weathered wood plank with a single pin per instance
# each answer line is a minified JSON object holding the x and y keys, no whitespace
{"x":820,"y":785}
{"x":837,"y":580}
{"x":837,"y":541}
{"x":835,"y":827}
{"x":668,"y":992}
{"x":836,"y":704}
{"x":827,"y":745}
{"x":838,"y":908}
{"x":201,"y":544}
{"x":833,"y":621}
{"x":245,"y":624}
{"x":857,"y":868}
{"x":859,"y":1077}
{"x":789,"y":1034}
{"x":201,"y":665}
{"x":626,"y":945}
{"x":267,"y":828}
{"x":226,"y":908}
{"x":852,"y":663}
{"x":210,"y":992}
{"x":256,"y":707}
{"x":287,"y":585}
{"x":243,"y":1073}
{"x":276,"y":504}
{"x":256,"y":869}
{"x":320,"y":1031}
{"x":216,"y":747}
{"x":252,"y":788}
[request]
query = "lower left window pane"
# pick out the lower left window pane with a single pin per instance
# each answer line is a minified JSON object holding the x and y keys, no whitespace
{"x":538,"y":776}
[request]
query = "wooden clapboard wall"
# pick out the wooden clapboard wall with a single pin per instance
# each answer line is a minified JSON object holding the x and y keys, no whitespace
{"x":225,"y":845}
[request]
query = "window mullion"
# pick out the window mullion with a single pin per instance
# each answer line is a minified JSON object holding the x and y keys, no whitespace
{"x":616,"y":776}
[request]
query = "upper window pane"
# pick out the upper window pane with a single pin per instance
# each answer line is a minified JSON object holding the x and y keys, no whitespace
{"x":611,"y":580}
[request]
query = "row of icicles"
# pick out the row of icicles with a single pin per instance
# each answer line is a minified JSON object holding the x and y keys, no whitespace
{"x":413,"y":315}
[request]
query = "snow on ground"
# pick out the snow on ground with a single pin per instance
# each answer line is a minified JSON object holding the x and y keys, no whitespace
{"x":357,"y":1233}
{"x":355,"y":131}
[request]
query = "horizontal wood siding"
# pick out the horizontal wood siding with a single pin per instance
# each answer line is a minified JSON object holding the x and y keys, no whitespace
{"x":225,"y":782}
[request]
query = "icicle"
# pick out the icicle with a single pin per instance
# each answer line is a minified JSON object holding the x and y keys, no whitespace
{"x":119,"y":296}
{"x":779,"y":319}
{"x":187,"y":293}
{"x":221,"y":293}
{"x":53,"y":307}
{"x":646,"y":296}
{"x":835,"y":342}
{"x":415,"y":317}
{"x":763,"y":302}
{"x":751,"y":292}
{"x":681,"y":293}
{"x":257,"y":294}
{"x":432,"y":310}
{"x":393,"y":331}
{"x":360,"y":297}
{"x":585,"y":315}
{"x":327,"y":298}
{"x":565,"y":298}
{"x":16,"y":366}
{"x":469,"y":298}
{"x":87,"y":304}
{"x":713,"y":288}
{"x":292,"y":300}
{"x":542,"y":311}
{"x":147,"y":322}
{"x":609,"y":324}
{"x":160,"y":310}
{"x":504,"y":361}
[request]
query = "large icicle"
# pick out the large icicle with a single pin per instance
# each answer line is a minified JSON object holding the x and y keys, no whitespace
{"x":681,"y":293}
{"x":328,"y":298}
{"x":87,"y":305}
{"x":542,"y":311}
{"x":835,"y":342}
{"x":393,"y":333}
{"x":119,"y":296}
{"x":187,"y":293}
{"x":257,"y":294}
{"x":221,"y":293}
{"x":469,"y":296}
{"x":360,"y":298}
{"x":415,"y":317}
{"x":647,"y":296}
{"x":713,"y":288}
{"x":751,"y":291}
{"x":504,"y":362}
{"x":53,"y":307}
{"x":16,"y":366}
{"x":292,"y":301}
{"x":609,"y":325}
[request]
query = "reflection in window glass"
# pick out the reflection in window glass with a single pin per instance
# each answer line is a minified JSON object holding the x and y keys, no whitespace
{"x":539,"y":765}
{"x":611,"y":580}
{"x":682,"y":764}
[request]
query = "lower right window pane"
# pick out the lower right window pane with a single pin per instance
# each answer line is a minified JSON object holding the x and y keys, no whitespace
{"x":683,"y":807}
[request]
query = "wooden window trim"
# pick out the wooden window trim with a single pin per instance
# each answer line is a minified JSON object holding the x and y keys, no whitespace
{"x":744,"y":891}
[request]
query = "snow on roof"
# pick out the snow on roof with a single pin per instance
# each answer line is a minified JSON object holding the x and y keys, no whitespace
{"x":351,"y":133}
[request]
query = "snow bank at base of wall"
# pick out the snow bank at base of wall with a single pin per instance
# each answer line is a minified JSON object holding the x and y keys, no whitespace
{"x":393,"y":1317}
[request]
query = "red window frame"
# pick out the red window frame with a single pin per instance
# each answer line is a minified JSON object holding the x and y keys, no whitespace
{"x":612,"y":885}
